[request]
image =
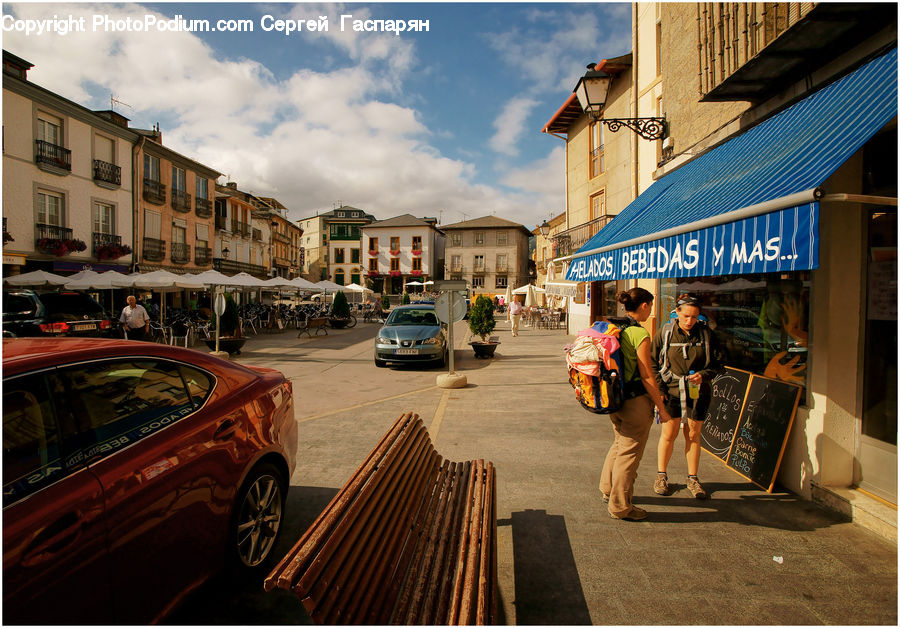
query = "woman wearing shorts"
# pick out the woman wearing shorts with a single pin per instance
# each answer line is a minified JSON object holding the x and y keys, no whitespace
{"x":686,"y":352}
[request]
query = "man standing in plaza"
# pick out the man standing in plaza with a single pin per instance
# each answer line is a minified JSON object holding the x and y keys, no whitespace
{"x":515,"y":314}
{"x":135,"y":319}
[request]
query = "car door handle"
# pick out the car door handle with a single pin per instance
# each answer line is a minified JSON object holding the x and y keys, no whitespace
{"x":225,"y":430}
{"x":53,"y":539}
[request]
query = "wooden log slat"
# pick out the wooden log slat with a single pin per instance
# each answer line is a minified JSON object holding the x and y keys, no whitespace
{"x":368,"y":544}
{"x":431,"y":556}
{"x":444,"y":548}
{"x":459,"y":572}
{"x":285,"y":573}
{"x":483,"y":613}
{"x":474,"y":547}
{"x":352,"y":513}
{"x":416,"y":547}
{"x":411,"y":538}
{"x":394,"y":533}
{"x":454,"y":543}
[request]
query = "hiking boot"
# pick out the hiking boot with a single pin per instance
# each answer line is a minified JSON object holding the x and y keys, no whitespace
{"x":696,"y":489}
{"x":636,"y":514}
{"x":661,"y":485}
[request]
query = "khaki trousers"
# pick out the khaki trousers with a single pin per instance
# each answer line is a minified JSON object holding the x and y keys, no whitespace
{"x":632,"y":427}
{"x":515,"y":323}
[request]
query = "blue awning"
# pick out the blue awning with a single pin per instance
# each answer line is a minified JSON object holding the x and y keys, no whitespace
{"x":749,"y":205}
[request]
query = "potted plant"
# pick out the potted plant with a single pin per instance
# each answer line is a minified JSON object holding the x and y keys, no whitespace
{"x":59,"y":246}
{"x":111,"y":251}
{"x":404,"y":300}
{"x":481,"y":324}
{"x":230,"y":338}
{"x":340,"y":311}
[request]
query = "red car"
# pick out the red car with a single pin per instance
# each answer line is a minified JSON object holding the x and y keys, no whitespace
{"x":132,"y":472}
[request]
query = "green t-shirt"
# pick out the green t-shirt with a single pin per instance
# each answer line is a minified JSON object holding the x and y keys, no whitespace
{"x":630,"y":338}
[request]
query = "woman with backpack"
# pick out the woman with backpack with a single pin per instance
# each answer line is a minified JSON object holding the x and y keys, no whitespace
{"x":632,"y":421}
{"x":687,"y":357}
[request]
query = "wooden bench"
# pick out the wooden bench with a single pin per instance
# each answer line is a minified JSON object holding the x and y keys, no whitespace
{"x":319,"y":324}
{"x":410,"y":539}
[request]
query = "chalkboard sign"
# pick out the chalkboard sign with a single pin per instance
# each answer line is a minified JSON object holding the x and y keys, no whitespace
{"x":762,"y":429}
{"x":729,"y":390}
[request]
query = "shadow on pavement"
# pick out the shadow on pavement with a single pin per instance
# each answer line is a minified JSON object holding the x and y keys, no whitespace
{"x":548,"y":587}
{"x":231,"y":598}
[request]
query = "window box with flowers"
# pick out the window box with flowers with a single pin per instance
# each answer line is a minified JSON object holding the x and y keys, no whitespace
{"x":417,"y":252}
{"x":58,"y":246}
{"x":111,"y":251}
{"x":415,"y":273}
{"x":395,"y":252}
{"x":396,"y":273}
{"x":373,"y":273}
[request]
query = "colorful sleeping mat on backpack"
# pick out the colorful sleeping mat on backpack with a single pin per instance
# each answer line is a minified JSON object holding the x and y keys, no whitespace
{"x":596,"y":369}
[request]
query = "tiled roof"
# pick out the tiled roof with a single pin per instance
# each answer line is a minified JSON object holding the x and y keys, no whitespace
{"x":404,"y":220}
{"x":486,"y":222}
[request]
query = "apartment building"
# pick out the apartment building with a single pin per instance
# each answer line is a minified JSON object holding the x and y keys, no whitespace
{"x":284,"y":236}
{"x":332,"y":244}
{"x":489,"y":253}
{"x":402,"y":249}
{"x":67,"y":181}
{"x":544,"y":253}
{"x":174,"y":208}
{"x":772,"y":196}
{"x":241,"y":242}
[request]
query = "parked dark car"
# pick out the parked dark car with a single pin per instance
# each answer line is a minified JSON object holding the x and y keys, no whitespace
{"x":132,"y":472}
{"x":62,"y":313}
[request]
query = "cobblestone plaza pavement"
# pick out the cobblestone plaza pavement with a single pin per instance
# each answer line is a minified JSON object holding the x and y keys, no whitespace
{"x":741,"y":557}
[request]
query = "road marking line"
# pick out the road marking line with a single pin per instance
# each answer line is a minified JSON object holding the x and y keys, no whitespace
{"x":435,"y":426}
{"x":363,"y":405}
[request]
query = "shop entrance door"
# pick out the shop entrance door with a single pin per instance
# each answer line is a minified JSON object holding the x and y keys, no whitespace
{"x":877,"y":472}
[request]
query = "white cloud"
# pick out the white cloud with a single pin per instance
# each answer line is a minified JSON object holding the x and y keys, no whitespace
{"x":510,"y":125}
{"x":308,"y":139}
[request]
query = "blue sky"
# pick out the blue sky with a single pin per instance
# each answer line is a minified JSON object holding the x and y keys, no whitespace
{"x":439,"y":123}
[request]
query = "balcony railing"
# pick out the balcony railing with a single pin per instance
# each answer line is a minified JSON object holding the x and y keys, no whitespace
{"x":480,"y":269}
{"x":53,"y":155}
{"x":154,"y":250}
{"x":154,"y":192}
{"x":107,"y":172}
{"x":257,"y":234}
{"x":181,"y":201}
{"x":232,"y":267}
{"x":104,"y":239}
{"x":202,"y":255}
{"x":240,"y":228}
{"x":203,"y":207}
{"x":181,"y":253}
{"x":280,"y":237}
{"x":570,"y":240}
{"x":52,"y":231}
{"x":457,"y":268}
{"x":221,"y":222}
{"x":502,"y":268}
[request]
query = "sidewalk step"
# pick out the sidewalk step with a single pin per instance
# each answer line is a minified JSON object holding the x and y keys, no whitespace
{"x":862,"y":508}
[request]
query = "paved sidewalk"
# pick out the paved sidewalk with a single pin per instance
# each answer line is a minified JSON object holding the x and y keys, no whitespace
{"x":741,"y":557}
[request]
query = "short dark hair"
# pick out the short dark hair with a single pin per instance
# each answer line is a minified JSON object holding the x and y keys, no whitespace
{"x":634,"y":298}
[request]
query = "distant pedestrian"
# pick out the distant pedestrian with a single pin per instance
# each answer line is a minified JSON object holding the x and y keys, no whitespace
{"x":135,"y":319}
{"x":688,"y":359}
{"x":632,"y":422}
{"x":515,"y":315}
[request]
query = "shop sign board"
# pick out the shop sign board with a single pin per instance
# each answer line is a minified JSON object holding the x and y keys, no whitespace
{"x":750,"y":440}
{"x":11,"y":258}
{"x":780,"y":241}
{"x":568,"y":289}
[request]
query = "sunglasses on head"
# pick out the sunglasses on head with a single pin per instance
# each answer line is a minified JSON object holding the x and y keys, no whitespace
{"x":687,"y":301}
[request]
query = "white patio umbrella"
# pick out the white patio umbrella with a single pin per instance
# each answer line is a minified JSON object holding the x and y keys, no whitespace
{"x":36,"y":278}
{"x":91,"y":280}
{"x":304,"y":284}
{"x":212,"y":278}
{"x":162,"y":279}
{"x":414,"y":283}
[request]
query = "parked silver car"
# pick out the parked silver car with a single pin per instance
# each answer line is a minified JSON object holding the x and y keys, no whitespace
{"x":412,"y":333}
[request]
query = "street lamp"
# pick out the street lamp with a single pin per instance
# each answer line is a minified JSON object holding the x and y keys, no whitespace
{"x":592,"y":91}
{"x":545,"y":228}
{"x":225,"y":252}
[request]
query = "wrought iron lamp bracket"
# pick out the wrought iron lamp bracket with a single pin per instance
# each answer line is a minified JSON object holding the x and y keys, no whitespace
{"x":648,"y":128}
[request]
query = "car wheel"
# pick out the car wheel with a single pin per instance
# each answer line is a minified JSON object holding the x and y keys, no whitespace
{"x":380,"y":363}
{"x":258,"y":515}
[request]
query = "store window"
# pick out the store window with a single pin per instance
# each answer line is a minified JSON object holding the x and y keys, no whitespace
{"x":761,"y":321}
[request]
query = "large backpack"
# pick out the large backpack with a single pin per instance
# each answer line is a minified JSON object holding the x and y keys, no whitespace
{"x":600,"y":387}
